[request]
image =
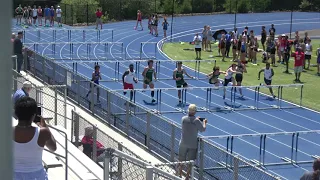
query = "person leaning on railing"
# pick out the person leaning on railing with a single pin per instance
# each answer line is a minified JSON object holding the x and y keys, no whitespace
{"x":87,"y":143}
{"x":23,"y":92}
{"x":191,"y":125}
{"x":29,"y":142}
{"x":17,"y":50}
{"x":315,"y":174}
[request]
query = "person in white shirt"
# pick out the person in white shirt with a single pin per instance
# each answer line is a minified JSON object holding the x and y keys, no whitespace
{"x":268,"y":74}
{"x":197,"y":46}
{"x":34,"y":14}
{"x":58,"y":15}
{"x":308,"y":53}
{"x":128,"y":78}
{"x":229,"y":78}
{"x":29,"y":141}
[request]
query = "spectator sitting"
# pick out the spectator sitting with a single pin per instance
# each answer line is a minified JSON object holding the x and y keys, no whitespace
{"x":87,"y":143}
{"x":191,"y":125}
{"x":315,"y":175}
{"x":29,"y":142}
{"x":24,"y":91}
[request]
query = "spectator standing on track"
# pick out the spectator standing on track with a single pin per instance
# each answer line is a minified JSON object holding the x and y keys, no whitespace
{"x":228,"y":43}
{"x":315,"y":174}
{"x":263,"y":37}
{"x":165,"y":25}
{"x":188,"y":146}
{"x":287,"y":51}
{"x":34,"y":15}
{"x":99,"y":21}
{"x":318,"y":60}
{"x":139,"y":20}
{"x":223,"y":47}
{"x":46,"y":15}
{"x":30,"y":15}
{"x":204,"y":38}
{"x":59,"y":15}
{"x":298,"y":63}
{"x":29,"y":142}
{"x":19,"y":13}
{"x":197,"y":46}
{"x":40,"y":14}
{"x":128,"y":78}
{"x":308,"y":54}
{"x":178,"y":76}
{"x":17,"y":50}
{"x":155,"y":25}
{"x":209,"y":38}
{"x":52,"y":12}
{"x":25,"y":16}
{"x":23,"y":92}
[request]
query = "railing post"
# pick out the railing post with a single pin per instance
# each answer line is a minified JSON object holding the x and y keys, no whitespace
{"x":107,"y":162}
{"x":201,"y":158}
{"x":55,"y":106}
{"x":301,"y":94}
{"x":173,"y":138}
{"x":78,"y":88}
{"x":54,"y":73}
{"x":94,"y":147}
{"x":127,"y":116}
{"x":72,"y":125}
{"x":76,"y":128}
{"x":149,"y":172}
{"x":120,"y":148}
{"x":25,"y":58}
{"x":92,"y":97}
{"x":192,"y":170}
{"x":148,"y":130}
{"x":65,"y":106}
{"x":235,"y":167}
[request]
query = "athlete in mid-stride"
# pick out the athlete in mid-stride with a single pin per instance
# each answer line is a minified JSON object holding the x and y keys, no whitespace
{"x":139,"y":20}
{"x":149,"y":74}
{"x":96,"y":76}
{"x":128,"y":78}
{"x":178,"y":76}
{"x":229,"y":78}
{"x":268,"y":74}
{"x":214,"y":76}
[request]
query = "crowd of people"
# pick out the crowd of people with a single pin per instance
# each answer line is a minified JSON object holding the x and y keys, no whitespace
{"x":27,"y":16}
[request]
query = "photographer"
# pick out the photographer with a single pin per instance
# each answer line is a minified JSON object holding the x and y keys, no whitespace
{"x":191,"y":125}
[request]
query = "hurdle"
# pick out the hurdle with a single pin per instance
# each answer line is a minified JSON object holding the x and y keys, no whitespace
{"x":186,"y":93}
{"x":290,"y":159}
{"x":76,"y":50}
{"x":71,"y":34}
{"x":146,"y":55}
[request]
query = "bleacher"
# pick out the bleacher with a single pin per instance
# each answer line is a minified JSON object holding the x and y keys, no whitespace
{"x":69,"y":161}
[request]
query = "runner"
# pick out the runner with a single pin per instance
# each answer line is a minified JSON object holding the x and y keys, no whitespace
{"x":241,"y":68}
{"x":46,"y":16}
{"x":263,"y":37}
{"x":96,"y":76}
{"x":214,"y":76}
{"x":59,"y":15}
{"x":268,"y":74}
{"x":34,"y":15}
{"x":149,"y":74}
{"x":51,"y":16}
{"x":139,"y":20}
{"x":128,"y":78}
{"x":178,"y":74}
{"x":40,"y":14}
{"x":19,"y":13}
{"x":318,"y":60}
{"x":308,"y":54}
{"x":229,"y":78}
{"x":298,"y":63}
{"x":165,"y":25}
{"x":99,"y":21}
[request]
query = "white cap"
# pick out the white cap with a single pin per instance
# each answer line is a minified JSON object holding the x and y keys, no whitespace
{"x":27,"y":84}
{"x":13,"y":34}
{"x":58,"y":6}
{"x":283,"y":35}
{"x":192,"y":108}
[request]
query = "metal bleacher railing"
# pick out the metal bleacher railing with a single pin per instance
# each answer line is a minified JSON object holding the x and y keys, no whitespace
{"x":156,"y":133}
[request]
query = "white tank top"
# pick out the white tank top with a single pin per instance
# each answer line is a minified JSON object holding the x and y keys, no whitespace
{"x":229,"y":74}
{"x":28,"y":156}
{"x":308,"y":49}
{"x":34,"y":12}
{"x":129,"y":77}
{"x":267,"y":74}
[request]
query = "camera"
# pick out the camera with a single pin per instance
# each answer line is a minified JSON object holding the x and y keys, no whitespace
{"x":38,"y":115}
{"x":202,"y":119}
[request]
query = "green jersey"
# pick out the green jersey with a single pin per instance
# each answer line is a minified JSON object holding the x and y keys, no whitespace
{"x":179,"y":74}
{"x":149,"y":75}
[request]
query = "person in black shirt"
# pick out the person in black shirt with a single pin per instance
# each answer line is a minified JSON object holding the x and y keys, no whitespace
{"x":272,"y":30}
{"x":287,"y":51}
{"x":17,"y":50}
{"x":263,"y":37}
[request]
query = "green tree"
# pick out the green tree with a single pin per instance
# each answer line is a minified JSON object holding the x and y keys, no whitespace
{"x":305,"y":5}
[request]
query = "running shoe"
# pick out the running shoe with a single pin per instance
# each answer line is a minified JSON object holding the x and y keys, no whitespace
{"x":153,"y":100}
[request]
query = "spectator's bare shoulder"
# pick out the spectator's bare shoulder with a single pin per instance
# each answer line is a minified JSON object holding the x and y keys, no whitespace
{"x":45,"y":133}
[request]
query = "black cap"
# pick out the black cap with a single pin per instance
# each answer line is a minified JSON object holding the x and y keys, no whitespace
{"x":20,"y":32}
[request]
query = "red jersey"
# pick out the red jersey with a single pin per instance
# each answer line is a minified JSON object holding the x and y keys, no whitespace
{"x":139,"y":16}
{"x":298,"y":58}
{"x":98,"y":14}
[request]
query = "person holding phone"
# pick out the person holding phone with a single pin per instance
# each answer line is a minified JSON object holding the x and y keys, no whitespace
{"x":188,"y":145}
{"x":29,"y":141}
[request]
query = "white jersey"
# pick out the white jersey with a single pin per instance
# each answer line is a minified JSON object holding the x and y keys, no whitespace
{"x":268,"y":74}
{"x":58,"y":12}
{"x":34,"y":12}
{"x":308,"y":49}
{"x":229,"y":73}
{"x":129,"y":77}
